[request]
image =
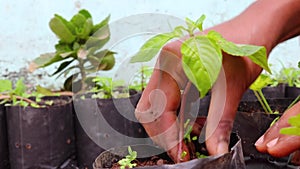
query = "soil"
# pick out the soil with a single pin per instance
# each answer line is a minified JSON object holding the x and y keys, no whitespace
{"x":153,"y":161}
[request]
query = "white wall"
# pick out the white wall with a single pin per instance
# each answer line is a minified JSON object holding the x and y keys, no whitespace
{"x":25,"y":33}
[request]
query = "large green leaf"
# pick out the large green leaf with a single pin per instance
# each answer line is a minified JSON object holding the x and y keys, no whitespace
{"x":44,"y":60}
{"x":257,"y":54}
{"x":152,"y":47}
{"x":98,"y":39}
{"x":5,"y":86}
{"x":202,"y":62}
{"x":20,"y":88}
{"x":63,"y":29}
{"x":103,"y":23}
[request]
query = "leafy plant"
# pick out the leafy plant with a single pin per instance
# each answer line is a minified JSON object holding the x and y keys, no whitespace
{"x":78,"y":49}
{"x":141,"y":80}
{"x":202,"y":53}
{"x":201,"y":56}
{"x":19,"y":96}
{"x":257,"y":86}
{"x":295,"y":126}
{"x":127,"y":161}
{"x":289,"y":76}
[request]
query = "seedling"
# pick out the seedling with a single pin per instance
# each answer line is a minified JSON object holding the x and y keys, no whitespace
{"x":19,"y":96}
{"x":257,"y":86}
{"x":127,"y":161}
{"x":78,"y":50}
{"x":201,"y":56}
{"x":295,"y":126}
{"x":141,"y":80}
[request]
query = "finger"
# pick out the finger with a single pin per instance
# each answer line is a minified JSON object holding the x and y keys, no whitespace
{"x":226,"y":94}
{"x":178,"y":154}
{"x":283,"y":146}
{"x":272,"y":135}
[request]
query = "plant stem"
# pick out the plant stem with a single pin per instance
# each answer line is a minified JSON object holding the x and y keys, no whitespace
{"x":260,"y":100}
{"x":83,"y":75}
{"x":265,"y":102}
{"x":17,"y":97}
{"x":294,"y":102}
{"x":181,"y":118}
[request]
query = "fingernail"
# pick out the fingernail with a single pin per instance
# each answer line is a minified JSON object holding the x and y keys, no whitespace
{"x":272,"y":143}
{"x":260,"y":141}
{"x":222,"y":148}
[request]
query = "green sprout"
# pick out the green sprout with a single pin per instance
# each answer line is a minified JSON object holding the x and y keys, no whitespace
{"x":127,"y":161}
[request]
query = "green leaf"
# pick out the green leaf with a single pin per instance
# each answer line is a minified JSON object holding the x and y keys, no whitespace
{"x":44,"y":60}
{"x":85,"y":13}
{"x":44,"y":91}
{"x":62,"y":66}
{"x":199,"y":22}
{"x":5,"y":86}
{"x":103,"y":23}
{"x":299,"y":64}
{"x":295,"y":121}
{"x":152,"y":47}
{"x":78,"y":20}
{"x":86,"y":29}
{"x":20,"y":88}
{"x":202,"y":62}
{"x":62,"y":47}
{"x":98,"y":39}
{"x":191,"y":25}
{"x":63,"y":29}
{"x":261,"y":82}
{"x":257,"y":54}
{"x":290,"y":131}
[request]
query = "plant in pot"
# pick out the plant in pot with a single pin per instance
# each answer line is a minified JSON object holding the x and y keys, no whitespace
{"x":195,"y":49}
{"x":81,"y":55}
{"x":4,"y":158}
{"x":39,"y":127}
{"x":290,"y":77}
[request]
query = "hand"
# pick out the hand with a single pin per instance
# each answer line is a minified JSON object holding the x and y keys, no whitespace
{"x":238,"y":73}
{"x":276,"y":144}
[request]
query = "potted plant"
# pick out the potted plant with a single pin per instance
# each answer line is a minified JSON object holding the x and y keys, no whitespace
{"x":4,"y":160}
{"x":80,"y":54}
{"x":194,"y":49}
{"x":39,"y":127}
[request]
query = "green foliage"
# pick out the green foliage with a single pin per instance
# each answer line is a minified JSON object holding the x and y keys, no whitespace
{"x":127,"y":161}
{"x":289,"y":76}
{"x":141,"y":79}
{"x":257,"y":86}
{"x":78,"y":49}
{"x":201,"y":54}
{"x":187,"y":131}
{"x":295,"y":126}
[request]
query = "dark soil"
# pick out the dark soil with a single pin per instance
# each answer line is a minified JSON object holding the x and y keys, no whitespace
{"x":153,"y":161}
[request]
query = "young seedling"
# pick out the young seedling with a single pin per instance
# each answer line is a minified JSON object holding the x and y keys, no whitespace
{"x":19,"y":96}
{"x":79,"y":49}
{"x":257,"y":86}
{"x":141,"y":80}
{"x":127,"y":161}
{"x":201,"y":56}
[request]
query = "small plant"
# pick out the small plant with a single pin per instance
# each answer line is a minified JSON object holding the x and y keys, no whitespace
{"x":295,"y":126}
{"x":289,"y":76}
{"x":127,"y":161}
{"x":201,"y":57}
{"x":78,"y":50}
{"x":19,"y":96}
{"x":257,"y":86}
{"x":141,"y":80}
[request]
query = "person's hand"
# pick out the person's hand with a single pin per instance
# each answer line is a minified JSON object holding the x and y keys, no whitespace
{"x":276,"y":144}
{"x":157,"y":107}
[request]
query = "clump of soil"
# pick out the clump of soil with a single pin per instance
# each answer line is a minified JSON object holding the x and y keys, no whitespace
{"x":153,"y":161}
